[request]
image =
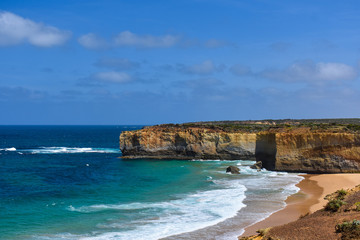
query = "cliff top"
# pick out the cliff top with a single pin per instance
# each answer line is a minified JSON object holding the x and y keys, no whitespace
{"x":328,"y":125}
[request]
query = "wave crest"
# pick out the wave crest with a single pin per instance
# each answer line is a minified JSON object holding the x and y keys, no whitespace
{"x":11,"y":149}
{"x":59,"y":150}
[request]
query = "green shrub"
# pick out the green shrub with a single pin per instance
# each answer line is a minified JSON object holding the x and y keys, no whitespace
{"x":341,"y":194}
{"x":262,"y":232}
{"x":349,"y":230}
{"x":353,"y":127}
{"x":357,"y":206}
{"x":346,"y":226}
{"x":334,"y":205}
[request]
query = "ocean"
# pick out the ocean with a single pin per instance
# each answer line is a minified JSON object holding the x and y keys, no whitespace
{"x":69,"y":182}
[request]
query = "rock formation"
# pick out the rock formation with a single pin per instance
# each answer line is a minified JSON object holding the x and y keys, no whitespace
{"x":187,"y":143}
{"x":307,"y":151}
{"x":257,"y":166}
{"x":299,"y":147}
{"x":233,"y":170}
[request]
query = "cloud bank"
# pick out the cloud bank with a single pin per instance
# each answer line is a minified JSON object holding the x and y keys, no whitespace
{"x":311,"y":72}
{"x":16,"y":30}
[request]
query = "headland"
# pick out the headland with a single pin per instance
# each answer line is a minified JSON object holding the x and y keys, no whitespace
{"x":325,"y":148}
{"x":309,"y":146}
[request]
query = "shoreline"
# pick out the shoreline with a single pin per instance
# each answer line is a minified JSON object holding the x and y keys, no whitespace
{"x":309,"y":199}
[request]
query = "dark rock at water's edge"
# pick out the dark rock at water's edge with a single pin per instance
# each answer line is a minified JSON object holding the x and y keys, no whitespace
{"x":312,"y":146}
{"x":233,"y":170}
{"x":257,"y":166}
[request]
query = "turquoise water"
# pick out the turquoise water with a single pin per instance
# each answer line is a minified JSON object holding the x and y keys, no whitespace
{"x":68,"y":182}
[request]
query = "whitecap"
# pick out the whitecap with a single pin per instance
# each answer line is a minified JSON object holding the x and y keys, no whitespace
{"x":185,"y":214}
{"x":62,"y":150}
{"x":194,"y":211}
{"x":9,"y":149}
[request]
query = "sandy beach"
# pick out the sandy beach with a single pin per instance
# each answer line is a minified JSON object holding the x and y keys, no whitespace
{"x":309,"y":199}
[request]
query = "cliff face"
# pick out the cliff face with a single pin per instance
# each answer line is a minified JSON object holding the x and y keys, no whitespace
{"x":198,"y":143}
{"x":299,"y":150}
{"x":306,"y":151}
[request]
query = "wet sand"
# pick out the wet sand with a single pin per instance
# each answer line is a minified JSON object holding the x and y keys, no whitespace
{"x":309,"y":199}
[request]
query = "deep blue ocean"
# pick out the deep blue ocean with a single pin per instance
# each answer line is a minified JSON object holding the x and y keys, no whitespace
{"x":69,"y":182}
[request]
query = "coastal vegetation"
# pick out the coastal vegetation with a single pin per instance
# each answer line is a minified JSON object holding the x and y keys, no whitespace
{"x":334,"y":125}
{"x":357,"y":206}
{"x":336,"y":200}
{"x":341,"y":194}
{"x":334,"y":205}
{"x":339,"y":219}
{"x":349,"y":229}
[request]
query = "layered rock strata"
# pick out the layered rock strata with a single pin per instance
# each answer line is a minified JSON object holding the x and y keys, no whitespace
{"x":306,"y":151}
{"x":189,"y":143}
{"x":297,"y":149}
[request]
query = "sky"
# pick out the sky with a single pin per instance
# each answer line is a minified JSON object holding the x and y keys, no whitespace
{"x":166,"y":61}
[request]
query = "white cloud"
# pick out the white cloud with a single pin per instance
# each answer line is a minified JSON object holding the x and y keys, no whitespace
{"x":15,"y":30}
{"x":113,"y":77}
{"x":92,"y":41}
{"x":204,"y":68}
{"x":313,"y":72}
{"x":335,"y":71}
{"x":128,"y":38}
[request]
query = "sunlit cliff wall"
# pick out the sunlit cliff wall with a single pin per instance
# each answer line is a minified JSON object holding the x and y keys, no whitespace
{"x":298,"y":150}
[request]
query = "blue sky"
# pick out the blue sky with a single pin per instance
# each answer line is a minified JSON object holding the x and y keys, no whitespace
{"x":150,"y":62}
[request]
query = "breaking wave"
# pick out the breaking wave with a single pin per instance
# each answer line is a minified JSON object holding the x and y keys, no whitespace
{"x":60,"y":150}
{"x":189,"y":213}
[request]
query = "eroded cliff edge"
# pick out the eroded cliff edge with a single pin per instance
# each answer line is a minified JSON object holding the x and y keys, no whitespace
{"x":292,"y":145}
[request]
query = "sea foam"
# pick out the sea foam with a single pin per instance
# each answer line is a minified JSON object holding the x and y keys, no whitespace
{"x":197,"y":215}
{"x":62,"y":150}
{"x":188,"y":213}
{"x":11,"y":149}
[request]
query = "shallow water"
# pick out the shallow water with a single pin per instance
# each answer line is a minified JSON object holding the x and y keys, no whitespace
{"x":67,"y":182}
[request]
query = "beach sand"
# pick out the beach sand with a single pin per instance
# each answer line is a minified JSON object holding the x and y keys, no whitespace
{"x":309,"y":199}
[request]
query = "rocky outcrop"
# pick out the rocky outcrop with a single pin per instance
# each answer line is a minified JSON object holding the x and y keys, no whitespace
{"x":257,"y":166}
{"x":233,"y":170}
{"x":189,"y":143}
{"x":300,"y":149}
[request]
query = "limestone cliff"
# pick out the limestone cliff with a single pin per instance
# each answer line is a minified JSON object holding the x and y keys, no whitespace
{"x":307,"y":151}
{"x":298,"y":148}
{"x":189,"y":143}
